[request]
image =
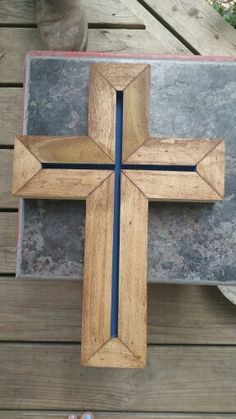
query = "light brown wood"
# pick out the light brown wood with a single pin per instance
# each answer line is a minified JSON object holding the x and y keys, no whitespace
{"x":132,"y":324}
{"x":114,"y":354}
{"x":49,"y":149}
{"x":198,"y":24}
{"x":136,"y":113}
{"x":172,"y":151}
{"x":10,"y":114}
{"x":39,"y":310}
{"x":167,"y":43}
{"x":120,"y":75}
{"x":212,"y":168}
{"x":63,"y":183}
{"x":173,"y":186}
{"x":177,"y":378}
{"x":110,"y":13}
{"x":7,"y":200}
{"x":97,"y":270}
{"x":101,"y":116}
{"x":25,"y":166}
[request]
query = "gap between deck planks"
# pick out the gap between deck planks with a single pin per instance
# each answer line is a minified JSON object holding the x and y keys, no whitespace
{"x":39,"y":310}
{"x":176,"y":379}
{"x":196,"y":23}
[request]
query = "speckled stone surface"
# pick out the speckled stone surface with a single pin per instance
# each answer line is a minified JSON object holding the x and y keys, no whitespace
{"x":188,"y":243}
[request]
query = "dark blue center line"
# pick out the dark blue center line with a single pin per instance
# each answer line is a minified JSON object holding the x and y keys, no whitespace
{"x":105,"y":166}
{"x":80,"y":166}
{"x":164,"y":168}
{"x":116,"y":225}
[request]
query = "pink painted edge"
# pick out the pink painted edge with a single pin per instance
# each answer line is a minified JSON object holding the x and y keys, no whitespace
{"x":89,"y":54}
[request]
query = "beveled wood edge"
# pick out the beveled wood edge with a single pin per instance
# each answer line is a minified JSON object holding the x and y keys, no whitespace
{"x":212,"y":169}
{"x":97,"y":282}
{"x":210,"y":195}
{"x":136,"y":112}
{"x":133,"y":270}
{"x":119,"y":75}
{"x":101,"y":111}
{"x":62,"y":184}
{"x":134,"y":81}
{"x":123,"y":351}
{"x":113,"y":354}
{"x":64,"y":149}
{"x":25,"y":166}
{"x":184,"y":151}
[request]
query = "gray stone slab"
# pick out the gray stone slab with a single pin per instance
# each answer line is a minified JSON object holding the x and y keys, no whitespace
{"x":188,"y":243}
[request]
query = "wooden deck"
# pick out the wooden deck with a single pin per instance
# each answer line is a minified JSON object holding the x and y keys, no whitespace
{"x":191,"y":371}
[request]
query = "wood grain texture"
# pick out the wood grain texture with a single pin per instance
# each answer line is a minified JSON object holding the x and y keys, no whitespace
{"x":10,"y":114}
{"x":64,"y":415}
{"x":167,"y":43}
{"x":110,"y":12}
{"x":97,"y":270}
{"x":39,"y":310}
{"x":101,"y":113}
{"x":136,"y":113}
{"x":120,"y":75}
{"x":132,"y":325}
{"x":25,"y":166}
{"x":8,"y":230}
{"x":172,"y":186}
{"x":7,"y":200}
{"x":198,"y":23}
{"x":63,"y":183}
{"x":15,"y":42}
{"x":212,"y":168}
{"x":49,"y":149}
{"x":124,"y":13}
{"x":178,"y":378}
{"x":114,"y":354}
{"x":173,"y":151}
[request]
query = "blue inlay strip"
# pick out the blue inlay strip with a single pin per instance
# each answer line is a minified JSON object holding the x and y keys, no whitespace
{"x":116,"y":227}
{"x":105,"y":166}
{"x":159,"y":167}
{"x":81,"y":166}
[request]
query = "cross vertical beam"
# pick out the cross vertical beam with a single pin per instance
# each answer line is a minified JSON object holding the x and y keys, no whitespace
{"x":117,"y":190}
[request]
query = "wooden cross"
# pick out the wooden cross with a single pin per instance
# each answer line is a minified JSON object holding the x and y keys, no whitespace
{"x":117,"y":169}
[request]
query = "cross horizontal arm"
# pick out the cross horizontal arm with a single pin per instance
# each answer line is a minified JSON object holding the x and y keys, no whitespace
{"x":63,"y":184}
{"x":55,"y":149}
{"x":30,"y":180}
{"x":172,"y":151}
{"x":172,"y":186}
{"x":204,"y":184}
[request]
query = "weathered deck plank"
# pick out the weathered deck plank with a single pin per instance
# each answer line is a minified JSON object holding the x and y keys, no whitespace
{"x":198,"y":24}
{"x":103,"y":12}
{"x":177,"y":379}
{"x":8,"y":229}
{"x":36,"y":310}
{"x":10,"y":114}
{"x":6,"y":198}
